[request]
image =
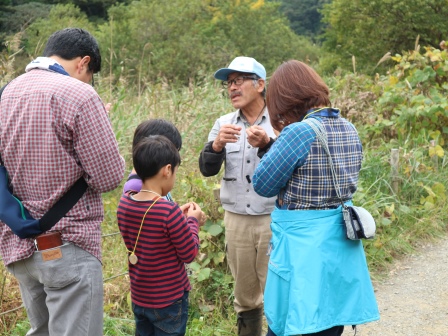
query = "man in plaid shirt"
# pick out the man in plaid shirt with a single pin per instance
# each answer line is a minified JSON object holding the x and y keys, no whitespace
{"x":54,"y":129}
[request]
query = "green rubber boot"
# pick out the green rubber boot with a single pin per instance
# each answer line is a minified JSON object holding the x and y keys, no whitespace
{"x":250,"y":323}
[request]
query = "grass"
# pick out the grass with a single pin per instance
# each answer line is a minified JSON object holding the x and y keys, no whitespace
{"x":405,"y":220}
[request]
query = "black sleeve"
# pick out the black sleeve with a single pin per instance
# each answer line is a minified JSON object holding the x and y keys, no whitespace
{"x":265,"y":149}
{"x":210,"y":162}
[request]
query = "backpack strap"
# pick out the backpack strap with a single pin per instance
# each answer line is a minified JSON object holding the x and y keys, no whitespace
{"x":63,"y":205}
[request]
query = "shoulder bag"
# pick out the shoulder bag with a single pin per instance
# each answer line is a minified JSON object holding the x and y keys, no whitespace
{"x":359,"y":223}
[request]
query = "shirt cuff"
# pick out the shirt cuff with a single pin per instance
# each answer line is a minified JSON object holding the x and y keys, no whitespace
{"x":212,"y":150}
{"x":265,"y":149}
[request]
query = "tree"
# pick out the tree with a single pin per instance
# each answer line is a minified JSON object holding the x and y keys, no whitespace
{"x":369,"y":29}
{"x":304,"y":16}
{"x":17,"y":18}
{"x":257,"y":29}
{"x":95,"y":9}
{"x":14,"y":19}
{"x":60,"y":16}
{"x":149,"y":40}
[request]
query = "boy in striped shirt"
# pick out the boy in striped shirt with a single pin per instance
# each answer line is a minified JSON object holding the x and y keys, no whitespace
{"x":160,"y":238}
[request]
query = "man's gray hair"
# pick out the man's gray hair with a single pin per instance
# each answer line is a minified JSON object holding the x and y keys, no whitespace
{"x":255,"y":82}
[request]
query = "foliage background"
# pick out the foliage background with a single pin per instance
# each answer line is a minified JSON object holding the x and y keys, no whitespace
{"x":370,"y":29}
{"x":158,"y":61}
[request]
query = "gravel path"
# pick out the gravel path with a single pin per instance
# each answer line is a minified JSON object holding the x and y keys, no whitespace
{"x":413,"y":300}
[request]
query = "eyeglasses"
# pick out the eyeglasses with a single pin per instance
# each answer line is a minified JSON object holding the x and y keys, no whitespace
{"x":238,"y":81}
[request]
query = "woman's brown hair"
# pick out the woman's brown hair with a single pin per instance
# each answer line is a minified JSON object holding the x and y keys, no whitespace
{"x":293,"y":89}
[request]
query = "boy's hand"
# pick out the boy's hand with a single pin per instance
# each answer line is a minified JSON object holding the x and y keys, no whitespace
{"x":203,"y":218}
{"x":195,"y":211}
{"x":185,"y":208}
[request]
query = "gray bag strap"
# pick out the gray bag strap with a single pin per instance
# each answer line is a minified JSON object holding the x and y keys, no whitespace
{"x":321,"y":135}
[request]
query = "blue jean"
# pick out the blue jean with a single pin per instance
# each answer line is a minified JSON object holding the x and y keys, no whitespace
{"x":171,"y":320}
{"x":335,"y":331}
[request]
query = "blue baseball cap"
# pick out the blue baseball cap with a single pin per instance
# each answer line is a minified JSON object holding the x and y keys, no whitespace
{"x":242,"y":64}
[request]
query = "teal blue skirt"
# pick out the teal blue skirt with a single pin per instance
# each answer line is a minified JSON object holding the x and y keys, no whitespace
{"x":317,"y":278}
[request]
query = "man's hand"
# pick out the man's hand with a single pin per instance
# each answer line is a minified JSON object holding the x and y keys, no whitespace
{"x":257,"y":136}
{"x":227,"y":134}
{"x":108,"y":106}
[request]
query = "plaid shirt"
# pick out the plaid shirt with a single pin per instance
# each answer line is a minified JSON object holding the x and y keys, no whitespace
{"x":296,"y":167}
{"x":54,"y":129}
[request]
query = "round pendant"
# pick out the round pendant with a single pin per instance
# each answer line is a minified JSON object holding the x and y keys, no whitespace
{"x":133,"y":259}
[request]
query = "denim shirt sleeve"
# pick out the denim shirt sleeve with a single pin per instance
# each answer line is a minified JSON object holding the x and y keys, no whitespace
{"x":287,"y":153}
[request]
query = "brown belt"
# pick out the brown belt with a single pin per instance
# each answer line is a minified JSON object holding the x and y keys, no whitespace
{"x":48,"y":240}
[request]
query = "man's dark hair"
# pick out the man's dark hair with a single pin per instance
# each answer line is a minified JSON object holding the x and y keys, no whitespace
{"x":157,"y":127}
{"x":153,"y":153}
{"x":70,"y":43}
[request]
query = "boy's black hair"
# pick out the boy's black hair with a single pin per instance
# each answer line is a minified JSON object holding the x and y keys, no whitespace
{"x":157,"y":127}
{"x":70,"y":43}
{"x":153,"y":153}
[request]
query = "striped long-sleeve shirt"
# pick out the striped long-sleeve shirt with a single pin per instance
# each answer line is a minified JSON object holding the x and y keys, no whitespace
{"x":167,"y":241}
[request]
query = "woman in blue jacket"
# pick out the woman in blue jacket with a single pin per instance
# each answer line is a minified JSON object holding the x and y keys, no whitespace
{"x":317,"y":280}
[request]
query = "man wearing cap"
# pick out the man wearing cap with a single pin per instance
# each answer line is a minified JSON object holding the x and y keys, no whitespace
{"x":247,"y":215}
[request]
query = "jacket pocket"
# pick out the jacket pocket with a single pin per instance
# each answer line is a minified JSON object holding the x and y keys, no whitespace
{"x":263,"y":204}
{"x":234,"y":160}
{"x":228,"y":192}
{"x":277,"y":296}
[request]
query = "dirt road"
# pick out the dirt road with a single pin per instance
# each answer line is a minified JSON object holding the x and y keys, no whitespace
{"x":413,"y":300}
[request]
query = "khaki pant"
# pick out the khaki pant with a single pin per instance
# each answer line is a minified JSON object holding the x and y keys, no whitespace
{"x":247,"y":242}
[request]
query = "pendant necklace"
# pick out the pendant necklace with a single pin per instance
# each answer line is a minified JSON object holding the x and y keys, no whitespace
{"x":150,"y":191}
{"x":259,"y":114}
{"x":132,"y":257}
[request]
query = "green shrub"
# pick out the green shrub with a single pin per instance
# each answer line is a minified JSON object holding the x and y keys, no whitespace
{"x":413,"y":101}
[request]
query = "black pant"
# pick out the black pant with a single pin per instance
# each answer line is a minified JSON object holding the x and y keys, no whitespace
{"x":335,"y":331}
